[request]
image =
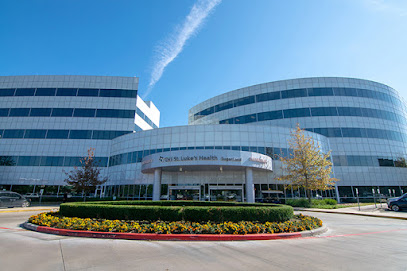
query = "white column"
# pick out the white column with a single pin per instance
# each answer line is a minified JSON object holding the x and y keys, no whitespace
{"x":249,"y":185}
{"x":157,"y":184}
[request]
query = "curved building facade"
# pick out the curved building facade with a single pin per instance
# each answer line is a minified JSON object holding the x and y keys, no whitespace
{"x":364,"y":121}
{"x":229,"y":150}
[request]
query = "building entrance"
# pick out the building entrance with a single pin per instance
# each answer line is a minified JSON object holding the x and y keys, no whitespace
{"x":184,"y":192}
{"x":226,"y":193}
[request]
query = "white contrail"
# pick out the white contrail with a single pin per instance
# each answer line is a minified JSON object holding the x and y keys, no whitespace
{"x":173,"y":45}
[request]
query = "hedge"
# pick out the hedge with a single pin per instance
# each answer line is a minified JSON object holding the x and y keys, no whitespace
{"x":215,"y":211}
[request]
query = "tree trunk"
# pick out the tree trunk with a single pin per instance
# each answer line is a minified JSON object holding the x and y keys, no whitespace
{"x":309,"y":197}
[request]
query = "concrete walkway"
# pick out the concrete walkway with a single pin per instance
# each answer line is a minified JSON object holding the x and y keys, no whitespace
{"x":30,"y":209}
{"x":368,"y":210}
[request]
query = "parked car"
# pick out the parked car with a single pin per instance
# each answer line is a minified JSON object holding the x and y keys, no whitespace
{"x":396,"y":204}
{"x":32,"y":195}
{"x":13,"y":199}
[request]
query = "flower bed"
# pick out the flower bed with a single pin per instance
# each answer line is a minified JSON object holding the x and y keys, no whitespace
{"x":55,"y":220}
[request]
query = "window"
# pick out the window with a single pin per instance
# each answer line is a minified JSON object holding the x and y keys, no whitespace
{"x":90,"y":113}
{"x":323,"y":111}
{"x":72,"y":161}
{"x":349,"y":111}
{"x":268,"y":96}
{"x":294,"y":93}
{"x":4,"y":112}
{"x":62,"y":112}
{"x":102,"y":161}
{"x":228,"y":121}
{"x":40,"y":112}
{"x":329,"y":132}
{"x":125,"y":93}
{"x":297,"y":113}
{"x":88,"y":92}
{"x":352,"y":132}
{"x":45,"y":92}
{"x":29,"y":161}
{"x":243,"y":101}
{"x":271,"y":115}
{"x":19,"y":112}
{"x":223,"y":106}
{"x":7,"y":92}
{"x":345,"y":92}
{"x":57,"y":134}
{"x":25,"y":92}
{"x":80,"y":134}
{"x":383,"y":162}
{"x":115,"y":113}
{"x":66,"y":92}
{"x":13,"y":133}
{"x":245,"y":119}
{"x":35,"y":133}
{"x":52,"y":161}
{"x":320,"y":92}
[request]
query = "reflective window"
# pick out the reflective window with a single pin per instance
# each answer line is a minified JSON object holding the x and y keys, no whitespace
{"x":72,"y":161}
{"x":294,"y":93}
{"x":245,"y":119}
{"x":244,"y":101}
{"x":66,"y":92}
{"x":62,"y":112}
{"x":349,"y":111}
{"x":297,"y":113}
{"x":25,"y":92}
{"x":88,"y":92}
{"x":45,"y":92}
{"x":101,"y":161}
{"x":4,"y":112}
{"x":329,"y":132}
{"x":323,"y":111}
{"x":35,"y":133}
{"x":115,"y":113}
{"x":383,"y":162}
{"x":119,"y":93}
{"x":52,"y":161}
{"x":40,"y":112}
{"x":7,"y":92}
{"x":13,"y":133}
{"x":29,"y":161}
{"x":80,"y":134}
{"x":90,"y":113}
{"x":272,"y":115}
{"x":320,"y":92}
{"x":268,"y":96}
{"x":345,"y":92}
{"x":57,"y":134}
{"x":223,"y":106}
{"x":19,"y":112}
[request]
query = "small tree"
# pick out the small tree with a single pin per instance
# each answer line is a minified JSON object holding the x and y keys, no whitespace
{"x":306,"y":166}
{"x":86,"y":177}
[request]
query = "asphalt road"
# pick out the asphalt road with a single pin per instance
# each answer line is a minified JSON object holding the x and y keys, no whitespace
{"x":351,"y":243}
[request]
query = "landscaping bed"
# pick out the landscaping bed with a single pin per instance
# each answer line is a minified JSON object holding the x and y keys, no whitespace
{"x":56,"y":220}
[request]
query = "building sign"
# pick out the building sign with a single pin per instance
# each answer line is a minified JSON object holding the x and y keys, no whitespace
{"x":163,"y":159}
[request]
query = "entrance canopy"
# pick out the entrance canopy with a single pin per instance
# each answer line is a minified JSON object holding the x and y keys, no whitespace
{"x":200,"y":160}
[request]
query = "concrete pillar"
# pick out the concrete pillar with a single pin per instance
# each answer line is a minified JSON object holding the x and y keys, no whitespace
{"x":249,"y":185}
{"x":157,"y":184}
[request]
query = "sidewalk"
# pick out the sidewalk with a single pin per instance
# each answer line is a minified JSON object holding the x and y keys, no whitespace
{"x":369,"y":210}
{"x":30,"y":209}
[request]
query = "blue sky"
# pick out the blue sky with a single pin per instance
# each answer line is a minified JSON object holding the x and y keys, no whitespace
{"x":240,"y":43}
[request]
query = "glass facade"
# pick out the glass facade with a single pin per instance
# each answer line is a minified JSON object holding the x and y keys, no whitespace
{"x":61,"y":134}
{"x":297,"y":93}
{"x":83,"y":92}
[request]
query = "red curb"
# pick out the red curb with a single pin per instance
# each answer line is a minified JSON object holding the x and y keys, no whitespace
{"x":167,"y":237}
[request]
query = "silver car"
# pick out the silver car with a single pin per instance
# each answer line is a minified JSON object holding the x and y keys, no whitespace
{"x":12,"y":199}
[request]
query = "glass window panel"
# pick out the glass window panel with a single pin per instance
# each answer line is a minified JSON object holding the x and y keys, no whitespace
{"x":268,"y":96}
{"x":66,"y":92}
{"x":19,"y":112}
{"x":115,"y":113}
{"x":80,"y":134}
{"x":271,"y":115}
{"x":88,"y":92}
{"x":7,"y":92}
{"x":35,"y":133}
{"x":102,"y":161}
{"x":244,"y":101}
{"x":90,"y":113}
{"x":228,"y":121}
{"x":349,"y":111}
{"x":236,"y":148}
{"x":57,"y":134}
{"x":40,"y":112}
{"x":323,"y":111}
{"x":9,"y":160}
{"x":25,"y":92}
{"x":72,"y":161}
{"x":320,"y":92}
{"x":245,"y":148}
{"x":223,"y":106}
{"x":4,"y":112}
{"x":118,"y":93}
{"x":384,"y":162}
{"x":29,"y":161}
{"x":62,"y":112}
{"x":345,"y":92}
{"x":293,"y":93}
{"x":45,"y":92}
{"x":352,"y":132}
{"x":13,"y":133}
{"x":297,"y":113}
{"x":52,"y":161}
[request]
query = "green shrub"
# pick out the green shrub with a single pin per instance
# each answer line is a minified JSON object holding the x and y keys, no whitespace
{"x":298,"y":203}
{"x":213,"y":211}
